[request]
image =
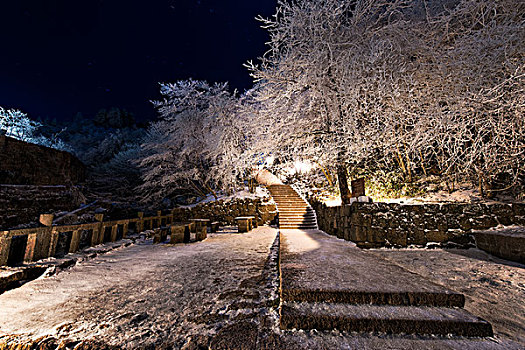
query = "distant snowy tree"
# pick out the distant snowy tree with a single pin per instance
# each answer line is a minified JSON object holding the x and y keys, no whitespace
{"x":17,"y":124}
{"x":192,"y":143}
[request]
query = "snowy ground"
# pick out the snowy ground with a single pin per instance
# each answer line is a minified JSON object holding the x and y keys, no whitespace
{"x":220,"y":293}
{"x":494,"y":288}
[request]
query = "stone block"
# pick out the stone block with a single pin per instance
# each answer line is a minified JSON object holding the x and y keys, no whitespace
{"x":177,"y":234}
{"x":451,"y":208}
{"x":503,"y":212}
{"x":464,"y":222}
{"x":452,"y":221}
{"x":437,"y":236}
{"x":362,"y":233}
{"x":377,"y":235}
{"x":397,"y":237}
{"x":483,"y":222}
{"x":202,"y":234}
{"x":518,"y":209}
{"x":43,"y":240}
{"x":417,"y":236}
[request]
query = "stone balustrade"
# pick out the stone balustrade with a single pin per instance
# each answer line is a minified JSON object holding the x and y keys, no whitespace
{"x":32,"y":244}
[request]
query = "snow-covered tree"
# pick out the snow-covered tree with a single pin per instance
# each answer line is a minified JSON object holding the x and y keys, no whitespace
{"x":17,"y":124}
{"x":408,"y":84}
{"x":192,"y":145}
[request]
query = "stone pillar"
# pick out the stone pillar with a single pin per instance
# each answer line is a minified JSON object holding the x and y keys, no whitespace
{"x":43,"y":237}
{"x":30,"y":247}
{"x":114,"y":231}
{"x":98,"y":233}
{"x":125,"y":229}
{"x":177,"y":234}
{"x":5,"y":246}
{"x":201,"y":234}
{"x":140,"y":223}
{"x":158,"y":219}
{"x":53,"y":240}
{"x":75,"y":241}
{"x":187,"y":233}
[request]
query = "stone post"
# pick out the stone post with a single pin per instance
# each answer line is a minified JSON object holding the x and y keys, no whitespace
{"x":140,"y":223}
{"x":98,"y":233}
{"x":177,"y":234}
{"x":38,"y":244}
{"x":5,"y":246}
{"x":30,"y":247}
{"x":75,"y":241}
{"x":125,"y":229}
{"x":47,"y":219}
{"x":53,"y":242}
{"x":114,"y":231}
{"x":158,"y":219}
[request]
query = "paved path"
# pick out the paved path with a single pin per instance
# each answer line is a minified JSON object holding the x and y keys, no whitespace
{"x":220,"y":293}
{"x":149,"y":294}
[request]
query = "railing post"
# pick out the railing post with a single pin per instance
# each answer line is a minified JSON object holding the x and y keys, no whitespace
{"x":75,"y":241}
{"x":38,"y":244}
{"x":53,"y":240}
{"x":125,"y":229}
{"x":5,"y":246}
{"x":140,"y":223}
{"x":159,"y":218}
{"x":98,"y":235}
{"x":114,"y":231}
{"x":30,"y":247}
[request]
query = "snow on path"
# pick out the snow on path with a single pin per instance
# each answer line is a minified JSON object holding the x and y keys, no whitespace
{"x":147,"y":294}
{"x":494,"y":288}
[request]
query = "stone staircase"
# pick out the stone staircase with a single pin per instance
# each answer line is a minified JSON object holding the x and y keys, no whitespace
{"x":294,"y":211}
{"x":329,"y":284}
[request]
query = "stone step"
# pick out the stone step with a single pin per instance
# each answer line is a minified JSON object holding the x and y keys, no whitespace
{"x":316,"y":267}
{"x":297,"y":220}
{"x":296,"y":217}
{"x":295,"y":223}
{"x":293,"y":209}
{"x":383,"y":319}
{"x":298,"y":227}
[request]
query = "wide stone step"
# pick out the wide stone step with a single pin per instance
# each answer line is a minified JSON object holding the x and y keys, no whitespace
{"x":383,"y":319}
{"x":293,"y":209}
{"x":297,"y":227}
{"x":297,"y":217}
{"x":297,"y":220}
{"x":316,"y":267}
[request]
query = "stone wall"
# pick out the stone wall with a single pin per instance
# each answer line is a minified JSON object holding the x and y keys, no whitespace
{"x":372,"y":225}
{"x":23,"y":163}
{"x":22,"y":204}
{"x":225,"y":212}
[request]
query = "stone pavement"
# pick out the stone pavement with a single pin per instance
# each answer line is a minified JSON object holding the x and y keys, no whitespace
{"x":221,"y":293}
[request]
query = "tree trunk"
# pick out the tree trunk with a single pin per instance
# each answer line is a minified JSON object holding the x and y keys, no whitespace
{"x":342,"y":178}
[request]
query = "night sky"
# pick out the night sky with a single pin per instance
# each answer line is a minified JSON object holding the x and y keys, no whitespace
{"x":60,"y":57}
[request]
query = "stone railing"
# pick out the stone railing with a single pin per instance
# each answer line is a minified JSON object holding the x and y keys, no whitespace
{"x":32,"y":244}
{"x":372,"y":225}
